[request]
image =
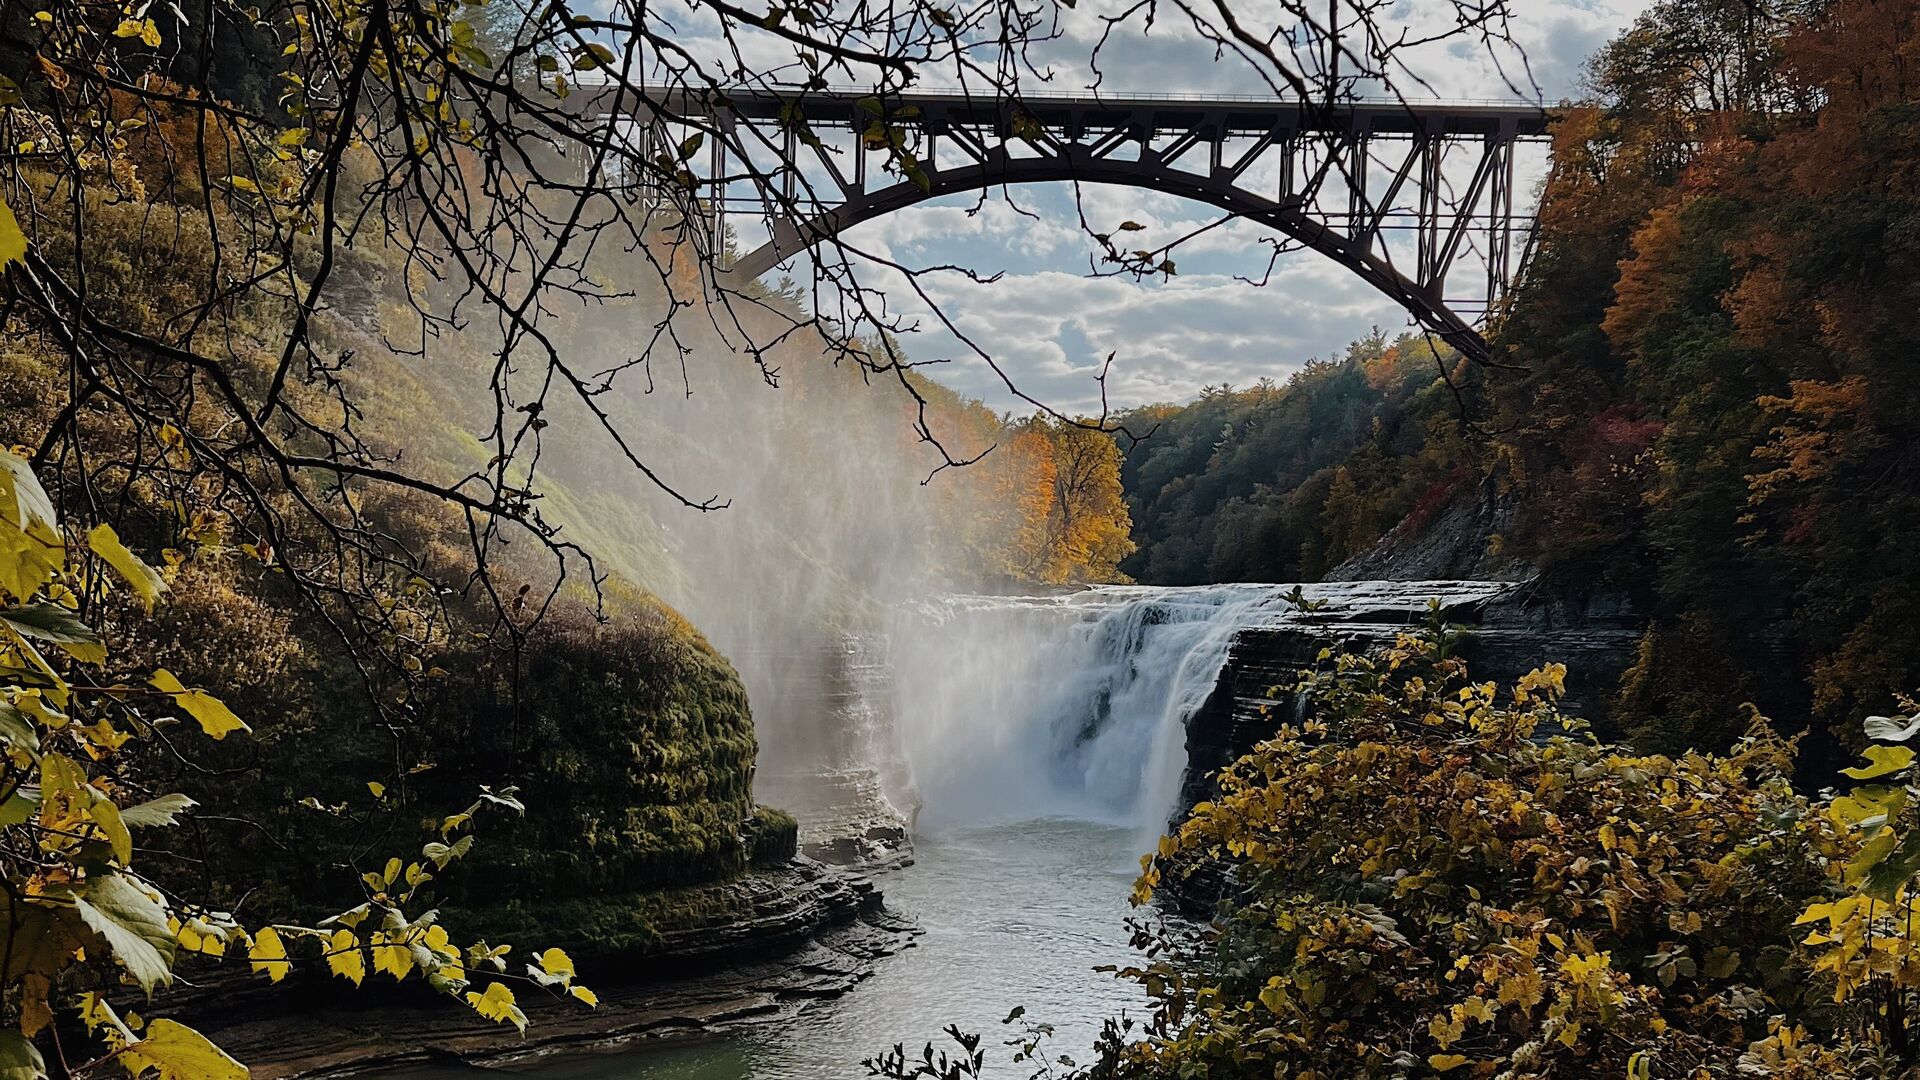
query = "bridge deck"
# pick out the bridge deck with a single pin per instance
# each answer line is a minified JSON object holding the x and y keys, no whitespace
{"x":1076,"y":113}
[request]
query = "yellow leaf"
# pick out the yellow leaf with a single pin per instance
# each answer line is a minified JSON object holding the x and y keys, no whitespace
{"x":35,"y":1012}
{"x":1881,"y":761}
{"x":200,"y":937}
{"x":150,"y":34}
{"x":1871,"y":854}
{"x":99,"y":1018}
{"x":13,"y":242}
{"x":102,"y":737}
{"x":56,"y":690}
{"x":215,"y":718}
{"x":177,"y":1052}
{"x":392,"y":955}
{"x":146,"y":581}
{"x":128,"y":28}
{"x":378,"y":789}
{"x":586,"y":995}
{"x":592,"y":56}
{"x":485,"y":954}
{"x":107,"y":816}
{"x":1274,"y":996}
{"x":354,"y":916}
{"x":31,"y":552}
{"x":1444,"y":1062}
{"x":497,"y":1005}
{"x":344,"y":958}
{"x":269,"y":954}
{"x":557,"y":963}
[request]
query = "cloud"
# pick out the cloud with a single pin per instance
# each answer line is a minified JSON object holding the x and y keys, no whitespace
{"x":1032,"y":231}
{"x":1051,"y":333}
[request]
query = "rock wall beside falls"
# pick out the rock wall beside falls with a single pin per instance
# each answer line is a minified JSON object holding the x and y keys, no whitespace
{"x":1456,"y":544}
{"x":1513,"y":628}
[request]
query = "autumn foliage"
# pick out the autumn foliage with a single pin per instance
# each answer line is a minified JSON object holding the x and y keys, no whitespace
{"x":1436,"y":875}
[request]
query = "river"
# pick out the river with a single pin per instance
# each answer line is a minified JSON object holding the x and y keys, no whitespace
{"x":1045,"y":742}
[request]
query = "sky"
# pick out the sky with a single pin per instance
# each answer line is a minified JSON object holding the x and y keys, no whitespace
{"x":1050,"y":324}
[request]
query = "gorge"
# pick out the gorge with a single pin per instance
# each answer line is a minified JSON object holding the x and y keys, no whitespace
{"x":1034,"y":746}
{"x":462,"y":612}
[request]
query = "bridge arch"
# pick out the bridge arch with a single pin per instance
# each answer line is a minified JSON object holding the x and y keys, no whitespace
{"x":1430,"y":310}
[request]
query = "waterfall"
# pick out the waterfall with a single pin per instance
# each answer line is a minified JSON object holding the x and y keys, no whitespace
{"x":1076,"y":705}
{"x":1013,"y":708}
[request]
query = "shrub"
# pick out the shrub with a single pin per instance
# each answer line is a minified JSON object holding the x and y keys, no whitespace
{"x":1435,"y":876}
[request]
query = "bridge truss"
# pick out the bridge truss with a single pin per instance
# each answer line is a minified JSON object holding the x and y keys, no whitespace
{"x":1408,"y":196}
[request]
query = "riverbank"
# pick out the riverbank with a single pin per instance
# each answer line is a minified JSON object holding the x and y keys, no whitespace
{"x":799,"y":934}
{"x":1013,"y":914}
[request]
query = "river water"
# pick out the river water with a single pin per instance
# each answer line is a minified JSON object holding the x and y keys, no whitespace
{"x":1044,"y":743}
{"x":1013,"y":915}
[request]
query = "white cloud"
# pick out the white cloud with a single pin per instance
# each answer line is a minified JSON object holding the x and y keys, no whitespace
{"x":1024,"y":230}
{"x":1051,"y":332}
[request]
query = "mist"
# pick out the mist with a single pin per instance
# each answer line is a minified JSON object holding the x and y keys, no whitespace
{"x":832,"y":516}
{"x":799,"y":518}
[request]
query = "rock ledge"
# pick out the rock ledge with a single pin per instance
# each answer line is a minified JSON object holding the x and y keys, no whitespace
{"x":801,"y":933}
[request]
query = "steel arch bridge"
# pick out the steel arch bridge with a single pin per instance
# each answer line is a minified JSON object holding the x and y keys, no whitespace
{"x":1397,"y":192}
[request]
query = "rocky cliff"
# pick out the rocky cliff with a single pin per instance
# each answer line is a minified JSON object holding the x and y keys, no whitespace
{"x":1460,"y":543}
{"x":1509,"y":631}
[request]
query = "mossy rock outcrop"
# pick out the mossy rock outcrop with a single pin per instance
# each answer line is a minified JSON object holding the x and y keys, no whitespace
{"x":628,"y":739}
{"x":633,"y":747}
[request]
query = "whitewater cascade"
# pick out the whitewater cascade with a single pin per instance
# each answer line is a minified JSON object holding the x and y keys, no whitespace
{"x":1075,"y":705}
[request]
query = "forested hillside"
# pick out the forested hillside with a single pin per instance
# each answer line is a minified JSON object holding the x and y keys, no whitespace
{"x":1702,"y":393}
{"x":1282,"y":482}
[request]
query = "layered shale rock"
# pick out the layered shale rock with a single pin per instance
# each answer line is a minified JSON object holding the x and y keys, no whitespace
{"x":755,"y":949}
